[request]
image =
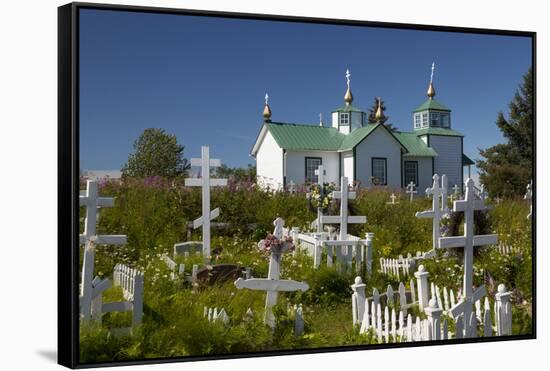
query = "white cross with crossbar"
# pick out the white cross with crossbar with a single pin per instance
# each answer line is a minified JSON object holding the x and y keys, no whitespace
{"x":90,"y":239}
{"x":468,"y":241}
{"x":205,"y":162}
{"x":411,"y":190}
{"x":343,"y":219}
{"x":435,"y":213}
{"x":272,"y":284}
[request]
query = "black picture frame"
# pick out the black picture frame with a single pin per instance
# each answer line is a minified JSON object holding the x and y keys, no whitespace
{"x":68,"y":173}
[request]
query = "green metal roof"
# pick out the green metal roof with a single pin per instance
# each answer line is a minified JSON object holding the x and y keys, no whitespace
{"x":438,"y":131}
{"x":432,"y":104}
{"x":347,"y":108}
{"x":322,"y":138}
{"x":356,"y":136}
{"x":296,"y":136}
{"x":466,"y":160}
{"x":415,"y":146}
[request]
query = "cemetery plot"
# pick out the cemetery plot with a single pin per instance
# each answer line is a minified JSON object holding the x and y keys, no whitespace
{"x":295,"y":287}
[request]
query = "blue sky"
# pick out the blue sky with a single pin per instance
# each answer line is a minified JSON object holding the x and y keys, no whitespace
{"x":204,"y":79}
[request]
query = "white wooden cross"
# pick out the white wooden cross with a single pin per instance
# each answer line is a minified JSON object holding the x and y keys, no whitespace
{"x":272,"y":284}
{"x":435,"y":213}
{"x":444,"y":190}
{"x":291,"y":186}
{"x":343,"y":219}
{"x":529,"y":196}
{"x":411,"y":190}
{"x":205,"y":162}
{"x":468,"y":242}
{"x":90,"y":239}
{"x":393,"y":197}
{"x":456,"y":193}
{"x":483,"y":193}
{"x":320,"y":172}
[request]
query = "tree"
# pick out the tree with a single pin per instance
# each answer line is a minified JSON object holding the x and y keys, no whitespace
{"x":371,"y":119}
{"x":156,"y":153}
{"x":247,"y":174}
{"x":506,"y":168}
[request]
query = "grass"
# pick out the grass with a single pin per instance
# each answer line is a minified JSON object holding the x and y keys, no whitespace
{"x":173,"y":324}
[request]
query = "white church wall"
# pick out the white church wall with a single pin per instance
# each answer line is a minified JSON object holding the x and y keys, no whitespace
{"x":449,"y":159}
{"x":347,"y":165}
{"x":379,"y":143}
{"x":425,"y":175}
{"x":335,"y":120}
{"x":424,"y":138}
{"x":296,"y":165}
{"x":356,"y":120}
{"x":269,"y":163}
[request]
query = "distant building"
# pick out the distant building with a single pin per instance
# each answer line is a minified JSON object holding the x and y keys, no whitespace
{"x":115,"y":175}
{"x":370,"y":154}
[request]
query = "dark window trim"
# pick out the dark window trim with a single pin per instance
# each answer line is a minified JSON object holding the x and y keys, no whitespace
{"x":284,"y":169}
{"x":385,"y":168}
{"x":305,"y":165}
{"x":404,"y":171}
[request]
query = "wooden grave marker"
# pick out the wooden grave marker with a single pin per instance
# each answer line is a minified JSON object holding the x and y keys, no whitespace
{"x":468,"y":241}
{"x":205,"y":182}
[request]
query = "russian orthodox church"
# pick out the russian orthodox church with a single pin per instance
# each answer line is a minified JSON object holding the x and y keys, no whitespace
{"x":368,"y":154}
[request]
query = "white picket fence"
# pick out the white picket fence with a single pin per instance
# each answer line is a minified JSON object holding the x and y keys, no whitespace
{"x":390,"y":321}
{"x":402,"y":266}
{"x":340,"y":254}
{"x":508,"y":249}
{"x":131,"y":282}
{"x":176,"y":270}
{"x":213,"y":315}
{"x":296,"y":313}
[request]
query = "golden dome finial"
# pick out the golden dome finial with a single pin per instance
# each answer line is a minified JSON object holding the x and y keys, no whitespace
{"x":431,"y":89}
{"x":379,"y":113}
{"x":348,"y":97}
{"x":267,"y":110}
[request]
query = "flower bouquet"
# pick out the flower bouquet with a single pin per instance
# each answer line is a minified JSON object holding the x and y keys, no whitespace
{"x":273,"y":244}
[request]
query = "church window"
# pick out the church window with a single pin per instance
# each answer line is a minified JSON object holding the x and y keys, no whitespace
{"x":411,"y":172}
{"x":445,"y":120}
{"x":417,"y":121}
{"x":312,"y":164}
{"x":379,"y":170}
{"x":344,"y":119}
{"x":424,"y":119}
{"x":434,"y":119}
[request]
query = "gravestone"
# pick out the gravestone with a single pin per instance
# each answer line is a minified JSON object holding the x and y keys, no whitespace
{"x":393,"y":197}
{"x":205,"y":182}
{"x":272,"y":284}
{"x":435,"y":213}
{"x":343,"y":219}
{"x":220,"y":273}
{"x":292,"y":187}
{"x":189,"y":247}
{"x":90,"y":239}
{"x":456,"y":193}
{"x":444,"y":190}
{"x":468,"y":241}
{"x":411,"y":190}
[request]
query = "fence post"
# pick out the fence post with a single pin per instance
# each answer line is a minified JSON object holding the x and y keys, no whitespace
{"x":503,"y":311}
{"x":294,"y":234}
{"x":298,"y":320}
{"x":422,"y":283}
{"x":434,"y":313}
{"x":137,"y":301}
{"x":368,"y":253}
{"x":358,"y":300}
